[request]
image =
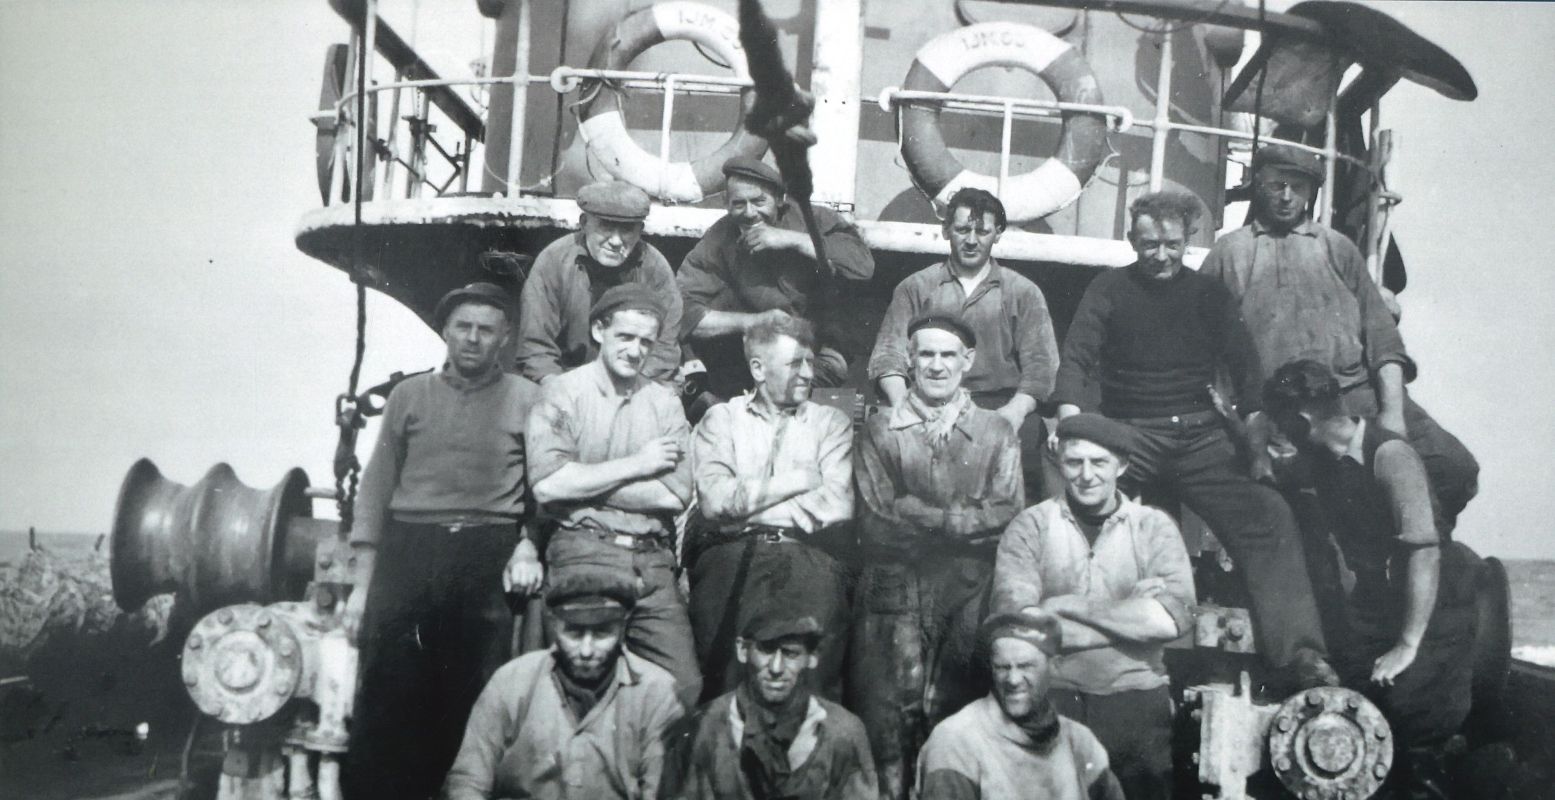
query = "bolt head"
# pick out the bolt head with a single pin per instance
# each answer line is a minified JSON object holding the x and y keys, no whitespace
{"x":196,"y":642}
{"x":224,"y":616}
{"x":264,"y":622}
{"x":1380,"y":771}
{"x":1380,"y":733}
{"x":1352,"y":703}
{"x":1284,"y":724}
{"x":1283,"y":764}
{"x":1314,"y":699}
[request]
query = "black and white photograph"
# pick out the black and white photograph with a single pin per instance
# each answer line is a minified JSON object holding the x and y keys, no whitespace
{"x":777,"y":400}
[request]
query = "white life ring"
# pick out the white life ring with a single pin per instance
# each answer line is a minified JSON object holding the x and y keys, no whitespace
{"x":1054,"y":184}
{"x":605,"y":133}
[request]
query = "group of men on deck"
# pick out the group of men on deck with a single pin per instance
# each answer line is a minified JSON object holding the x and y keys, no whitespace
{"x":878,"y":612}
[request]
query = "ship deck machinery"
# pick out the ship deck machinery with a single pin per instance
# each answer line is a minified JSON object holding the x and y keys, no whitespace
{"x":1066,"y":108}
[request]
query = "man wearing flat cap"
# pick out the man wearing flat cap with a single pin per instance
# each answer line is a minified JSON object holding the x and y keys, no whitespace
{"x":607,"y":465}
{"x":772,"y":737}
{"x":1304,"y":292}
{"x":437,"y":534}
{"x":774,"y":482}
{"x":757,"y":262}
{"x":571,"y":274}
{"x":1013,"y":742}
{"x":938,"y":480}
{"x":1146,"y":347}
{"x":1017,"y":353}
{"x":1116,"y":575}
{"x":586,"y":718}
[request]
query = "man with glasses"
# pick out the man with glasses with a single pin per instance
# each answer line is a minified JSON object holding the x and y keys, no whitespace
{"x":1149,"y":340}
{"x":1017,"y":352}
{"x":1303,"y":290}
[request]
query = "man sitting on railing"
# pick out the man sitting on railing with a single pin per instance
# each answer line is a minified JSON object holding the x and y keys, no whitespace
{"x":573,"y":272}
{"x":757,"y":262}
{"x":1304,"y":292}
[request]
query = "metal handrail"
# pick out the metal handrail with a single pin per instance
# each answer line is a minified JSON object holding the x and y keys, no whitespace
{"x":1119,"y":119}
{"x":566,"y":79}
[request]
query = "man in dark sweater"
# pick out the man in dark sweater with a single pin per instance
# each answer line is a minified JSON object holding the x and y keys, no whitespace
{"x":1145,"y":346}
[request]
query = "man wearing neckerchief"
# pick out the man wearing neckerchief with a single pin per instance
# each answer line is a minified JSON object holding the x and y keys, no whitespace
{"x":1116,"y":574}
{"x":773,"y":737}
{"x":938,"y":479}
{"x":1012,"y":742}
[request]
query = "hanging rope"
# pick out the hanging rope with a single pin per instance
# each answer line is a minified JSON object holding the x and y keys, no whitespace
{"x":348,"y":415}
{"x":1263,"y":72}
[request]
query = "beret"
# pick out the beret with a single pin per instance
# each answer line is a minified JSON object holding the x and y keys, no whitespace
{"x":1040,"y":629}
{"x":771,"y":621}
{"x":754,"y":169}
{"x":614,"y":200}
{"x":1284,"y":156}
{"x":1111,"y":434}
{"x":591,"y":587}
{"x":484,"y":293}
{"x":943,"y":322}
{"x":632,"y":296}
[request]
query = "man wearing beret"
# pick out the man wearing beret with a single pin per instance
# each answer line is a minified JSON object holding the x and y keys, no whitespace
{"x":772,"y":737}
{"x":1017,"y":354}
{"x":1406,"y":635}
{"x":1116,"y":576}
{"x":938,"y":480}
{"x":607,"y":463}
{"x":774,"y":481}
{"x":1305,"y":293}
{"x":586,"y":718}
{"x":757,"y":262}
{"x":1013,"y":742}
{"x":573,"y":272}
{"x":438,"y":517}
{"x":1145,"y":347}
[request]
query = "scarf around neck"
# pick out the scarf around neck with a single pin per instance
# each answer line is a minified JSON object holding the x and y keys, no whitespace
{"x":769,"y":732}
{"x":939,"y":421}
{"x":1041,"y":726}
{"x":582,"y":697}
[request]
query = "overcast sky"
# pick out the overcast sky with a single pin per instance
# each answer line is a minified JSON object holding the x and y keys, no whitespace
{"x":157,"y":156}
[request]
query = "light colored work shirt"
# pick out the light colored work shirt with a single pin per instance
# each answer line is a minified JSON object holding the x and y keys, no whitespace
{"x":1044,"y":554}
{"x":582,"y":418}
{"x":741,"y":444}
{"x":523,"y":739}
{"x":979,"y":754}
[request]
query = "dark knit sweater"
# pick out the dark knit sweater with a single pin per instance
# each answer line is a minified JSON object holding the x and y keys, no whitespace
{"x":1144,"y":347}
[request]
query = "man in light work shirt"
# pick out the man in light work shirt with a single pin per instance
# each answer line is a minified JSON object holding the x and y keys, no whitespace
{"x":437,"y":520}
{"x":1149,"y":340}
{"x":586,"y":718}
{"x":1017,"y":353}
{"x":1304,"y":293}
{"x":607,"y":463}
{"x":1117,"y":576}
{"x":573,"y":272}
{"x":938,"y":479}
{"x":757,"y":262}
{"x":773,"y":473}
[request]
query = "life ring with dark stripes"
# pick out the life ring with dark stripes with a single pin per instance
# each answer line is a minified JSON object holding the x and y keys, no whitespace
{"x":605,"y":132}
{"x":946,"y":59}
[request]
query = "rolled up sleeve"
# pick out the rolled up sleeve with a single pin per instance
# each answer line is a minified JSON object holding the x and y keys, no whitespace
{"x":550,"y":436}
{"x":721,"y":494}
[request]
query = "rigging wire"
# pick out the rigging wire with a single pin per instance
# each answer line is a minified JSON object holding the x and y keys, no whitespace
{"x":347,"y":416}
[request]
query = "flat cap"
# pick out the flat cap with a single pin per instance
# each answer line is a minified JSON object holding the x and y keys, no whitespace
{"x":591,"y":587}
{"x":755,"y":169}
{"x":484,"y":293}
{"x":1109,"y":433}
{"x":944,"y":322}
{"x":1040,"y":629}
{"x":1283,"y":156}
{"x":771,"y":621}
{"x":626,"y":296}
{"x":616,"y":200}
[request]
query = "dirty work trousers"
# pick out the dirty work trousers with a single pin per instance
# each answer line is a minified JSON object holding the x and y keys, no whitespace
{"x":1192,"y":458}
{"x":730,"y":577}
{"x":658,"y":629}
{"x":1453,"y":470}
{"x":1136,"y":729}
{"x":913,"y":658}
{"x":435,"y":628}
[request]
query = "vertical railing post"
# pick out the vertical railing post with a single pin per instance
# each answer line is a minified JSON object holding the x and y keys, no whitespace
{"x":1004,"y":147}
{"x":667,"y":117}
{"x":363,"y":125}
{"x":1163,"y":116}
{"x":515,"y":165}
{"x":1330,"y":160}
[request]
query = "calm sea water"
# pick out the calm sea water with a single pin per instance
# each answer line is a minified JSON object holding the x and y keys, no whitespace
{"x":1533,"y":591}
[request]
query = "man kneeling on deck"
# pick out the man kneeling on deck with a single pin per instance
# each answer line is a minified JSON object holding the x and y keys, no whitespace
{"x":1116,"y":574}
{"x":1013,"y":743}
{"x":1409,"y":621}
{"x":586,"y":718}
{"x":774,"y":475}
{"x":772,"y":737}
